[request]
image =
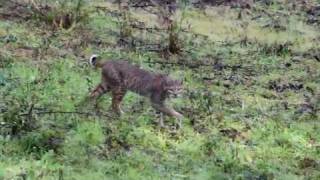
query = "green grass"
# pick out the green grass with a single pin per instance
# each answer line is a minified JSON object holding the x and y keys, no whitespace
{"x":245,"y":116}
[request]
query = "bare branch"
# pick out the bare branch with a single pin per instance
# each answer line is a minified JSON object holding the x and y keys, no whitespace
{"x":66,"y":112}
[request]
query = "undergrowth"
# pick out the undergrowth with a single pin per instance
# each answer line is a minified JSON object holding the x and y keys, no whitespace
{"x":251,"y":100}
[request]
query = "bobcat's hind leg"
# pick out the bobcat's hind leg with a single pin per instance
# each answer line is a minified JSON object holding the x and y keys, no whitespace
{"x":161,"y":123}
{"x":95,"y":94}
{"x":117,"y":96}
{"x":100,"y":89}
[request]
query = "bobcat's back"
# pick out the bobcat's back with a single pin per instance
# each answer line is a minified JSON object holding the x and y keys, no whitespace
{"x":131,"y":77}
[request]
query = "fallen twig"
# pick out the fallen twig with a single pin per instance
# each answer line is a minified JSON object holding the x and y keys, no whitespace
{"x":66,"y":112}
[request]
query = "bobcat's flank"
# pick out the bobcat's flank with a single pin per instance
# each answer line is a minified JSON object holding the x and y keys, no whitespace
{"x":120,"y":76}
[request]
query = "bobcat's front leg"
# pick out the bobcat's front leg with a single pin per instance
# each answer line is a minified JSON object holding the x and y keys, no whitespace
{"x":169,"y":111}
{"x":158,"y":103}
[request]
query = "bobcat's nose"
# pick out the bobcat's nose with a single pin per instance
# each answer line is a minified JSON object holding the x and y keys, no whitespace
{"x":176,"y":95}
{"x":172,"y":95}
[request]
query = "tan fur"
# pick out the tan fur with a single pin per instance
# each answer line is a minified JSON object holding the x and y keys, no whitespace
{"x":120,"y":76}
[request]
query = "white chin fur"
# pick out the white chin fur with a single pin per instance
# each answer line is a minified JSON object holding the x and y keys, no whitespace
{"x":91,"y":59}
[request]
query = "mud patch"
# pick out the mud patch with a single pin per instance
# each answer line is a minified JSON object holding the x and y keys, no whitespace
{"x":232,"y":3}
{"x":308,"y":163}
{"x":281,"y":87}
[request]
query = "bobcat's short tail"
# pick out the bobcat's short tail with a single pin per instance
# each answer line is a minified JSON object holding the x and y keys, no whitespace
{"x":94,"y":62}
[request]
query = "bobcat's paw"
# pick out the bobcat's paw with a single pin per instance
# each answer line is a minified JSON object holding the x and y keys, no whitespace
{"x":179,"y":116}
{"x":92,"y":94}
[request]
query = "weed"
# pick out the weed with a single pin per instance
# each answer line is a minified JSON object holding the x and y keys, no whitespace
{"x":60,"y":14}
{"x":251,"y":101}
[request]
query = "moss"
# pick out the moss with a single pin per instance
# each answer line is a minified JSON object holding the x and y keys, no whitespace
{"x":250,"y":100}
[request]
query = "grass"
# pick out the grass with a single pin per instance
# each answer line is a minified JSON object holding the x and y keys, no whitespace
{"x":253,"y":114}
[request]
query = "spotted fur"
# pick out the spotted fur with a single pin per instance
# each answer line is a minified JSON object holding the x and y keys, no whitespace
{"x":121,"y":76}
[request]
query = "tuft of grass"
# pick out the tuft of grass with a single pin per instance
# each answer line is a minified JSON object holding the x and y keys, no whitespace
{"x":250,"y":100}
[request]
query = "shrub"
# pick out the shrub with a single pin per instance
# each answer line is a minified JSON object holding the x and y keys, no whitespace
{"x":60,"y":13}
{"x":41,"y":141}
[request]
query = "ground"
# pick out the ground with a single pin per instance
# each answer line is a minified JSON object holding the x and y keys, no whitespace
{"x":251,"y":101}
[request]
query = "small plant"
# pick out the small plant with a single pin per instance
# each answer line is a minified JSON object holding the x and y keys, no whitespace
{"x":5,"y":61}
{"x":174,"y":25}
{"x":41,"y":141}
{"x":13,"y":123}
{"x":251,"y":97}
{"x":125,"y":28}
{"x":174,"y":44}
{"x":60,"y":14}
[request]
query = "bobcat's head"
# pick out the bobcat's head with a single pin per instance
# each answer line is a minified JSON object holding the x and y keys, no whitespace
{"x":173,"y":88}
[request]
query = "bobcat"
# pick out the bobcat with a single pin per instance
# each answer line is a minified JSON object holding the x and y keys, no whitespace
{"x":120,"y":76}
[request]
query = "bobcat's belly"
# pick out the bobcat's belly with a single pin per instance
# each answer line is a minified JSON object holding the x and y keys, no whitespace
{"x":142,"y":92}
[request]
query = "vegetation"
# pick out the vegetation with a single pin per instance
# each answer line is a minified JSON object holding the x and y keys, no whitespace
{"x":251,"y":101}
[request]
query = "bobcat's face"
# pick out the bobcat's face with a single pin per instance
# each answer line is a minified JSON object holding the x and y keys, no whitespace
{"x":174,"y":90}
